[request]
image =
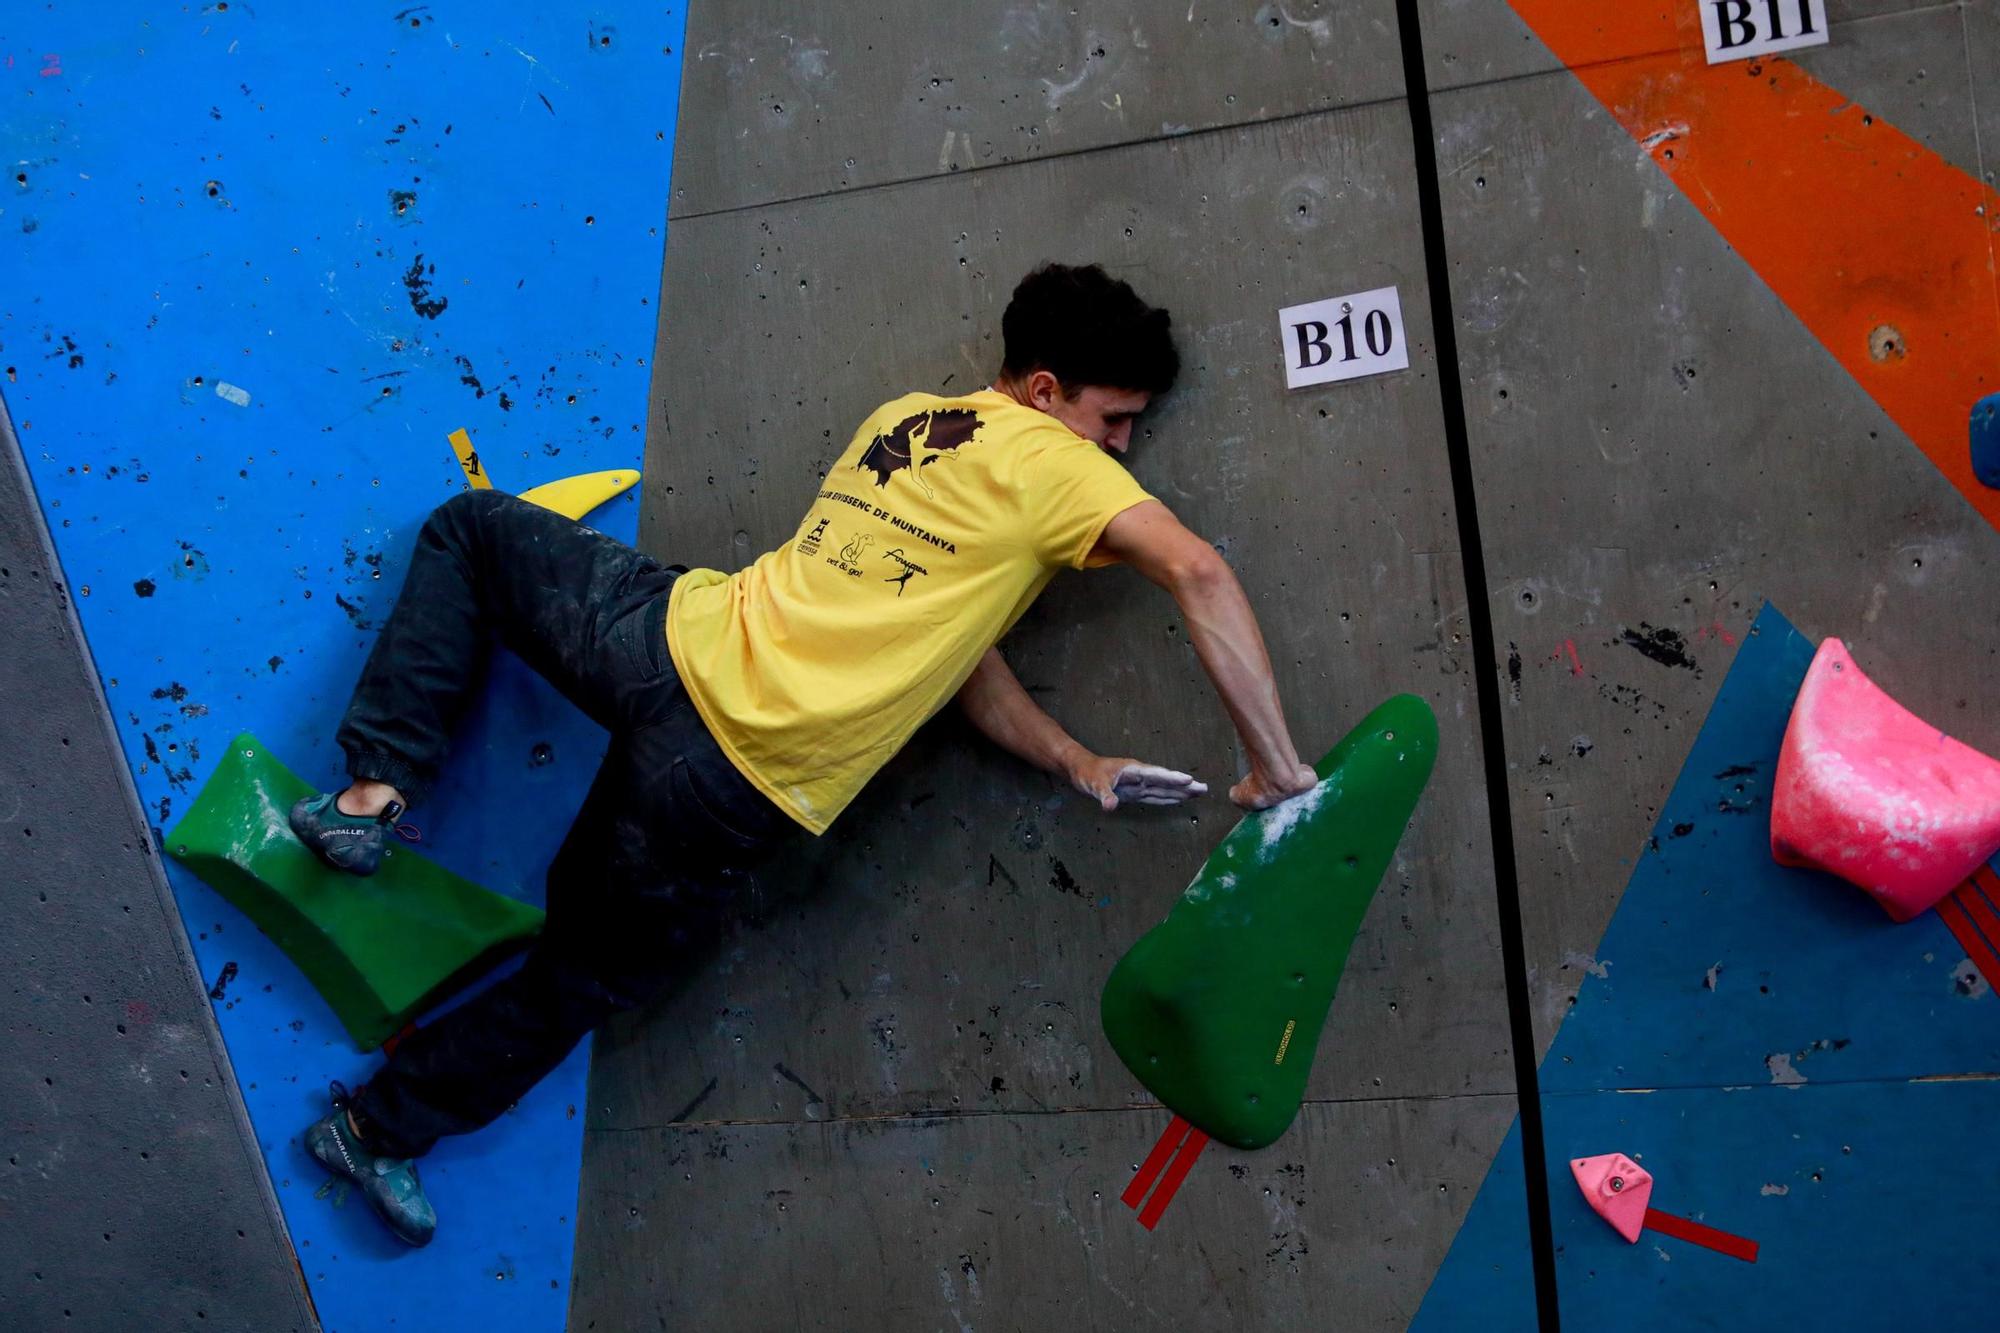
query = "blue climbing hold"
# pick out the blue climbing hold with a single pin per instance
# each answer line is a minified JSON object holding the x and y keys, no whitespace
{"x":1986,"y":440}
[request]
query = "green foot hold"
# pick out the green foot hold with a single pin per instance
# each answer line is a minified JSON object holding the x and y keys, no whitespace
{"x":380,"y":950}
{"x":1218,"y":1009}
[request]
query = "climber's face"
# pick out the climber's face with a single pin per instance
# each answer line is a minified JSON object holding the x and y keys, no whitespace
{"x":1101,"y":415}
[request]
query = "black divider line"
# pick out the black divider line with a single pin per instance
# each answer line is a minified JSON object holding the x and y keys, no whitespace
{"x":1486,"y":666}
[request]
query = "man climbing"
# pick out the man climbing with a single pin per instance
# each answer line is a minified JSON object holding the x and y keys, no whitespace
{"x":741,"y":705}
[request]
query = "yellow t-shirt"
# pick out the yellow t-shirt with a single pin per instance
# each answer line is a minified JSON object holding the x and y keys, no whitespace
{"x":937,"y":528}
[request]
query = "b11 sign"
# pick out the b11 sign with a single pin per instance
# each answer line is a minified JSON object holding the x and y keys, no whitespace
{"x":1739,"y":29}
{"x":1344,"y":338}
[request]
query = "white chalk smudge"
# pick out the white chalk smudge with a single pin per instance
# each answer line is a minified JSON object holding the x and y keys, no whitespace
{"x":1649,"y":208}
{"x":1288,"y":814}
{"x":1587,"y":963}
{"x":1320,"y":29}
{"x":1875,"y":600}
{"x":808,"y":62}
{"x":229,"y":393}
{"x":1665,"y":134}
{"x":949,"y":1293}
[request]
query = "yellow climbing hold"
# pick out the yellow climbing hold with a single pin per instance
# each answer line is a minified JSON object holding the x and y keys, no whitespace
{"x":573,"y":497}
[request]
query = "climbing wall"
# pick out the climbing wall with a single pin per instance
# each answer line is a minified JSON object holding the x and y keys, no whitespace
{"x":258,"y":264}
{"x":1671,"y":420}
{"x":1662,"y":442}
{"x":129,"y":1165}
{"x":893,"y":1091}
{"x":1721,"y":328}
{"x":1717,"y":330}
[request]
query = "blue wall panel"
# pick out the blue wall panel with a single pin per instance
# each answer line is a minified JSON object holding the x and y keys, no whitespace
{"x":1865,"y":1201}
{"x":1722,"y":967}
{"x":255,"y":264}
{"x":1790,"y":1065}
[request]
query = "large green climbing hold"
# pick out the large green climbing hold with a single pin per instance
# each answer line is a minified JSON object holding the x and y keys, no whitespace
{"x":380,"y":950}
{"x":1218,"y":1009}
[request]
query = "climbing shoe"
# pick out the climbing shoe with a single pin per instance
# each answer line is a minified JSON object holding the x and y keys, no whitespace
{"x":390,"y":1184}
{"x":346,"y":842}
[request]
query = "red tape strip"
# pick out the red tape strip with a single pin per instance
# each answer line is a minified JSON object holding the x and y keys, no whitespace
{"x":1981,"y":913}
{"x":1149,"y":1170}
{"x":1968,"y":939}
{"x":390,"y":1044}
{"x":1164,"y":1195}
{"x":1681,"y":1228}
{"x":1983,"y":881}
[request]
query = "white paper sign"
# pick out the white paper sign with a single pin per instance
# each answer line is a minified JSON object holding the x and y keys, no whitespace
{"x":1739,"y":29}
{"x":1344,"y":338}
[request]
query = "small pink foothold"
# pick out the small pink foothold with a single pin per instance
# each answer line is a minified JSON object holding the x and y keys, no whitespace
{"x":1869,"y":791}
{"x":1617,"y":1190}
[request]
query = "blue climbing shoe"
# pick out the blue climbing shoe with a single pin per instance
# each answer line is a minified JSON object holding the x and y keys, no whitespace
{"x":390,"y":1184}
{"x":346,"y":842}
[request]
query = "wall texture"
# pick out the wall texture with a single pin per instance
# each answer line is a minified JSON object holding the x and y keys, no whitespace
{"x":1667,"y":428}
{"x":257,"y":265}
{"x":132,"y":1194}
{"x":1717,"y":329}
{"x":906,"y":1051}
{"x":1675,"y":419}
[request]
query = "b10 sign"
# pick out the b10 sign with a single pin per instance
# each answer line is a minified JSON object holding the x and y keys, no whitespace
{"x":1344,"y":338}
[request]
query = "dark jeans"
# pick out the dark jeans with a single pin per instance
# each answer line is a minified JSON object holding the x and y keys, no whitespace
{"x":649,"y":873}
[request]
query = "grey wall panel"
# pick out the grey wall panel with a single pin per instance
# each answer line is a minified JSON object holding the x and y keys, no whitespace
{"x":957,"y":924}
{"x":1659,"y":442}
{"x":1014,"y":1222}
{"x":1982,"y":59}
{"x":1468,"y":42}
{"x":783,"y":101}
{"x":888,"y":1101}
{"x":131,"y":1195}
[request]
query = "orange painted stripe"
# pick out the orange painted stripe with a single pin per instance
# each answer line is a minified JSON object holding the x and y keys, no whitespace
{"x":1880,"y":247}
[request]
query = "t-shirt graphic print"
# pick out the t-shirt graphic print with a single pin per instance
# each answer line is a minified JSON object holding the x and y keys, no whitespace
{"x":917,"y":441}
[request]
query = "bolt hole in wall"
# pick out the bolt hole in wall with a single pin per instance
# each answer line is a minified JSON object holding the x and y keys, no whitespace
{"x":248,"y":424}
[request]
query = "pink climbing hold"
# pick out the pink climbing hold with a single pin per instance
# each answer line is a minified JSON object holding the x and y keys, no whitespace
{"x":1874,"y":794}
{"x":1616,"y":1188}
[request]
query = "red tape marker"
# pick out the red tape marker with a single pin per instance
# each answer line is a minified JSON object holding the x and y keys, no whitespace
{"x":1681,"y":1228}
{"x":389,"y":1044}
{"x":1968,"y":939}
{"x":1979,"y":907}
{"x":1179,"y":1144}
{"x":1164,"y":1195}
{"x":1156,"y":1160}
